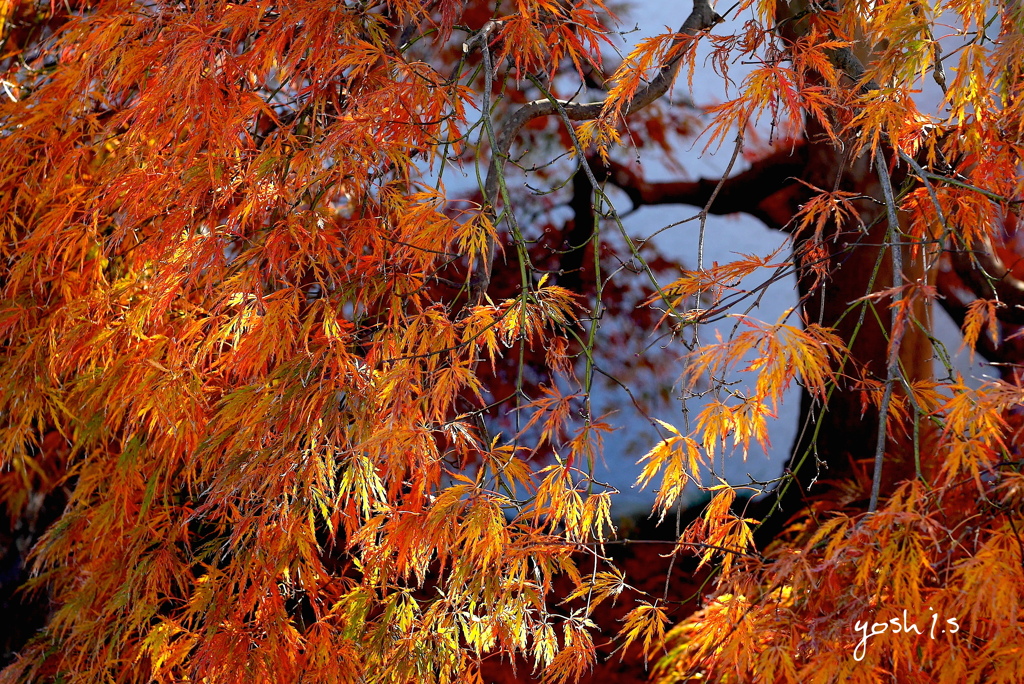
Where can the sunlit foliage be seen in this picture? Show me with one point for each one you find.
(318, 389)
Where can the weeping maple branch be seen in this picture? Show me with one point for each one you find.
(702, 18)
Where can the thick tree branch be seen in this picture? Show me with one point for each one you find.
(988, 277)
(1006, 351)
(745, 192)
(702, 17)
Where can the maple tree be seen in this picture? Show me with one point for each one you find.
(283, 400)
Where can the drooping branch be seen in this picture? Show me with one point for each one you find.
(702, 18)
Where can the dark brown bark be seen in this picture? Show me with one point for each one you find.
(858, 268)
(580, 231)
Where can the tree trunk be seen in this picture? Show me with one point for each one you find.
(838, 439)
